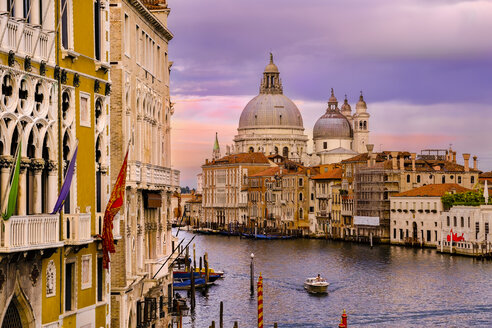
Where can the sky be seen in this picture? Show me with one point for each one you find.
(425, 68)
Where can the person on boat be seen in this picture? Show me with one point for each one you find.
(318, 278)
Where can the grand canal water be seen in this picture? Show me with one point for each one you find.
(386, 286)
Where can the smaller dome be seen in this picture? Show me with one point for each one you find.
(346, 106)
(331, 125)
(271, 67)
(361, 104)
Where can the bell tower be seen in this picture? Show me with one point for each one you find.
(361, 126)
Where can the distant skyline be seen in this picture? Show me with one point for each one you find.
(425, 68)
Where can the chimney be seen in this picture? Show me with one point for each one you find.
(369, 148)
(402, 163)
(454, 157)
(394, 164)
(475, 164)
(413, 155)
(206, 161)
(373, 159)
(466, 158)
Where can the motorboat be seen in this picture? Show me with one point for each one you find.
(187, 275)
(185, 284)
(316, 285)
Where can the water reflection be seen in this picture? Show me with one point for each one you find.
(380, 287)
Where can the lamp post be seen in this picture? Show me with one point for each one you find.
(252, 269)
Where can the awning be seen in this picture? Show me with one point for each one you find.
(152, 200)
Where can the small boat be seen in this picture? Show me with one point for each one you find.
(186, 284)
(316, 285)
(212, 276)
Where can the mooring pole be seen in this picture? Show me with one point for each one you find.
(252, 274)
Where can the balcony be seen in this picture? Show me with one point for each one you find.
(26, 39)
(77, 228)
(152, 175)
(31, 232)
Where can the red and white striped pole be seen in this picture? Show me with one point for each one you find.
(260, 302)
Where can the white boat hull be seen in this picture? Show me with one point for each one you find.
(316, 289)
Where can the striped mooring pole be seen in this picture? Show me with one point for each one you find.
(260, 302)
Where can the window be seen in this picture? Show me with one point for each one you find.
(394, 233)
(27, 10)
(137, 42)
(401, 234)
(462, 222)
(472, 180)
(443, 179)
(312, 196)
(66, 24)
(468, 222)
(300, 196)
(126, 37)
(300, 182)
(435, 235)
(428, 235)
(311, 209)
(477, 229)
(418, 178)
(100, 280)
(325, 145)
(70, 286)
(455, 223)
(97, 29)
(447, 221)
(459, 179)
(85, 110)
(408, 178)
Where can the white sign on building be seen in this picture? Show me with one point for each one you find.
(366, 220)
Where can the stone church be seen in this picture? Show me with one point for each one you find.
(271, 123)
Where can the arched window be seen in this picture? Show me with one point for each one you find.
(459, 179)
(472, 179)
(418, 178)
(300, 196)
(276, 150)
(312, 196)
(251, 149)
(443, 179)
(300, 214)
(365, 125)
(285, 152)
(408, 178)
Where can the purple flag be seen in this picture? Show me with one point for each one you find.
(65, 189)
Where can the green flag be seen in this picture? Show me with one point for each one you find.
(13, 188)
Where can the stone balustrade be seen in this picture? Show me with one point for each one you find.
(30, 232)
(100, 224)
(77, 228)
(152, 175)
(26, 39)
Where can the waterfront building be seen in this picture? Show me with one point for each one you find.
(224, 188)
(141, 114)
(466, 230)
(193, 209)
(339, 135)
(328, 211)
(271, 123)
(388, 173)
(415, 217)
(55, 87)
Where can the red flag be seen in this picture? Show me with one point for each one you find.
(113, 207)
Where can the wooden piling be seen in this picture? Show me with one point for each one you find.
(221, 318)
(274, 325)
(207, 274)
(192, 289)
(200, 267)
(194, 257)
(235, 324)
(213, 324)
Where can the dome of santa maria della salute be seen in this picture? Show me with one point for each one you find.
(270, 110)
(271, 122)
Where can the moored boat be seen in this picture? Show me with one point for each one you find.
(316, 285)
(185, 284)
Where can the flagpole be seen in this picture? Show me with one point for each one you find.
(60, 136)
(11, 174)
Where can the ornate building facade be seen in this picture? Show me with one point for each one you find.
(55, 87)
(141, 113)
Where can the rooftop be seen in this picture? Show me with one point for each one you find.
(433, 190)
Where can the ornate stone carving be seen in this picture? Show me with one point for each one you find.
(6, 161)
(51, 165)
(139, 229)
(25, 163)
(51, 279)
(37, 164)
(34, 274)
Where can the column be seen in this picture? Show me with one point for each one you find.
(5, 165)
(37, 166)
(22, 199)
(52, 184)
(19, 8)
(35, 10)
(3, 6)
